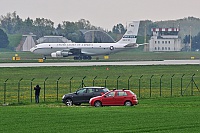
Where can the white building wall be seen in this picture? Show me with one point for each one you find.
(165, 44)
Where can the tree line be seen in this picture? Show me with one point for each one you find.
(11, 23)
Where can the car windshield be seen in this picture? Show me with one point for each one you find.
(105, 90)
(110, 94)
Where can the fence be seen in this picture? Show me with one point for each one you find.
(145, 86)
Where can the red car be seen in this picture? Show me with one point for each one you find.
(115, 98)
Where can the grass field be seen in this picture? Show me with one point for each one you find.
(170, 86)
(156, 114)
(177, 114)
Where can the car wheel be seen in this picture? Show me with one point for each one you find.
(127, 103)
(97, 104)
(68, 102)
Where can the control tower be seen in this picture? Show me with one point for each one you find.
(165, 39)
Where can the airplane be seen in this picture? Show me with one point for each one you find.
(84, 51)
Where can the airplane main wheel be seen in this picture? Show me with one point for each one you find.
(77, 58)
(87, 57)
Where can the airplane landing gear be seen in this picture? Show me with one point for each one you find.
(82, 57)
(87, 57)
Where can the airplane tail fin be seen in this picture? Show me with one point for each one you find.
(130, 36)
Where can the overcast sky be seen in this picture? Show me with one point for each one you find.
(102, 13)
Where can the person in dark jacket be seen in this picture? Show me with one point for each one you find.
(37, 93)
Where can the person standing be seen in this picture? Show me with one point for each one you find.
(37, 93)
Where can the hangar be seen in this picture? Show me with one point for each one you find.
(96, 36)
(27, 42)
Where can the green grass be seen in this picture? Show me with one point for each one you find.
(77, 73)
(170, 86)
(25, 57)
(178, 114)
(138, 55)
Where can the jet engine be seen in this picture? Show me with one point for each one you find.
(60, 54)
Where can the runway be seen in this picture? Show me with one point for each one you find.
(118, 63)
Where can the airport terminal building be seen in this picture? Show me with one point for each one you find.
(165, 39)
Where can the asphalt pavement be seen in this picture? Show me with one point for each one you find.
(118, 63)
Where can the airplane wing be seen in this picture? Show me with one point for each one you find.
(75, 51)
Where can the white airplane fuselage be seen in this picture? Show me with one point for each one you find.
(86, 50)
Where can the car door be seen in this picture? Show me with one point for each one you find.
(120, 97)
(108, 99)
(80, 95)
(89, 94)
(97, 92)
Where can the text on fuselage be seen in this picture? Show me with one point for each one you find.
(75, 44)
